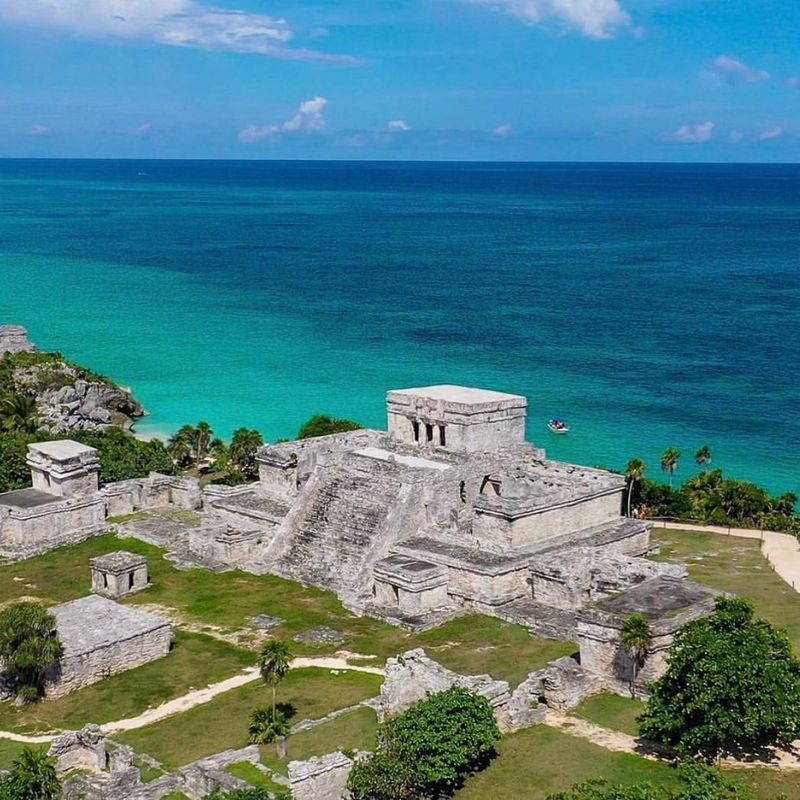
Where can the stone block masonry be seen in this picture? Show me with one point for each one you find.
(101, 638)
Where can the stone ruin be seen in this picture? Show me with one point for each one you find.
(119, 574)
(65, 504)
(449, 510)
(100, 638)
(320, 778)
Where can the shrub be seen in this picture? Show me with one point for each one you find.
(323, 425)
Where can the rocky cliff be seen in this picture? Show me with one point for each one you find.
(68, 397)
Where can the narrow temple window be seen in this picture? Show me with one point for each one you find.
(429, 431)
(130, 580)
(415, 426)
(442, 437)
(462, 492)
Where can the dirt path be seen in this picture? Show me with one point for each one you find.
(197, 697)
(625, 743)
(782, 550)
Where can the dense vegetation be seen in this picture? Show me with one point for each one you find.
(251, 793)
(29, 647)
(709, 497)
(429, 750)
(323, 425)
(696, 783)
(52, 372)
(732, 685)
(122, 455)
(32, 777)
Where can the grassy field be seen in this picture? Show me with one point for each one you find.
(612, 711)
(226, 601)
(540, 761)
(734, 565)
(222, 723)
(194, 662)
(9, 751)
(353, 731)
(254, 776)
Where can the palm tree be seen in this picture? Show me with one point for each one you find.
(29, 647)
(635, 636)
(274, 662)
(33, 776)
(269, 725)
(669, 461)
(181, 445)
(19, 413)
(703, 456)
(203, 436)
(634, 472)
(244, 446)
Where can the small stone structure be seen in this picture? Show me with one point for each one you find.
(320, 778)
(85, 749)
(119, 574)
(14, 339)
(102, 638)
(65, 505)
(412, 585)
(667, 602)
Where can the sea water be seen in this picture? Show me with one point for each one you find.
(648, 305)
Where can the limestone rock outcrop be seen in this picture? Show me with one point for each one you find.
(14, 339)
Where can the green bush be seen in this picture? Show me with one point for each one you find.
(323, 425)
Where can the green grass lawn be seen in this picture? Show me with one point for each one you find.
(9, 751)
(353, 731)
(474, 644)
(539, 761)
(254, 776)
(222, 723)
(734, 565)
(194, 662)
(611, 711)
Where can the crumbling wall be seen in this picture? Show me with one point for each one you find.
(320, 778)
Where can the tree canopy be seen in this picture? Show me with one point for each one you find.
(33, 776)
(429, 750)
(323, 425)
(29, 647)
(732, 685)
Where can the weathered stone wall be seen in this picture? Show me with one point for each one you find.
(320, 778)
(488, 590)
(32, 531)
(154, 491)
(88, 668)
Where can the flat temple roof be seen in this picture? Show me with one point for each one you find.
(459, 394)
(27, 498)
(62, 449)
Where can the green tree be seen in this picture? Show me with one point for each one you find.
(203, 436)
(634, 472)
(33, 776)
(703, 456)
(636, 636)
(269, 725)
(732, 685)
(669, 462)
(244, 446)
(323, 425)
(274, 663)
(250, 793)
(29, 647)
(181, 446)
(429, 750)
(19, 413)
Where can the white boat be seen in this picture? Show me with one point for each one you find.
(558, 426)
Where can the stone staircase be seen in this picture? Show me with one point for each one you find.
(344, 527)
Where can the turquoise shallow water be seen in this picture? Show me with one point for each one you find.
(650, 305)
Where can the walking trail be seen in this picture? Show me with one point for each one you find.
(782, 550)
(195, 698)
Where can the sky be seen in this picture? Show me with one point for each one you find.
(537, 80)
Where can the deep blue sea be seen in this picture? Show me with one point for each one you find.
(648, 305)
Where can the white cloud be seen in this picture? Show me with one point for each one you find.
(736, 136)
(734, 71)
(694, 134)
(598, 19)
(398, 125)
(502, 130)
(772, 133)
(309, 117)
(793, 82)
(144, 129)
(179, 23)
(38, 130)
